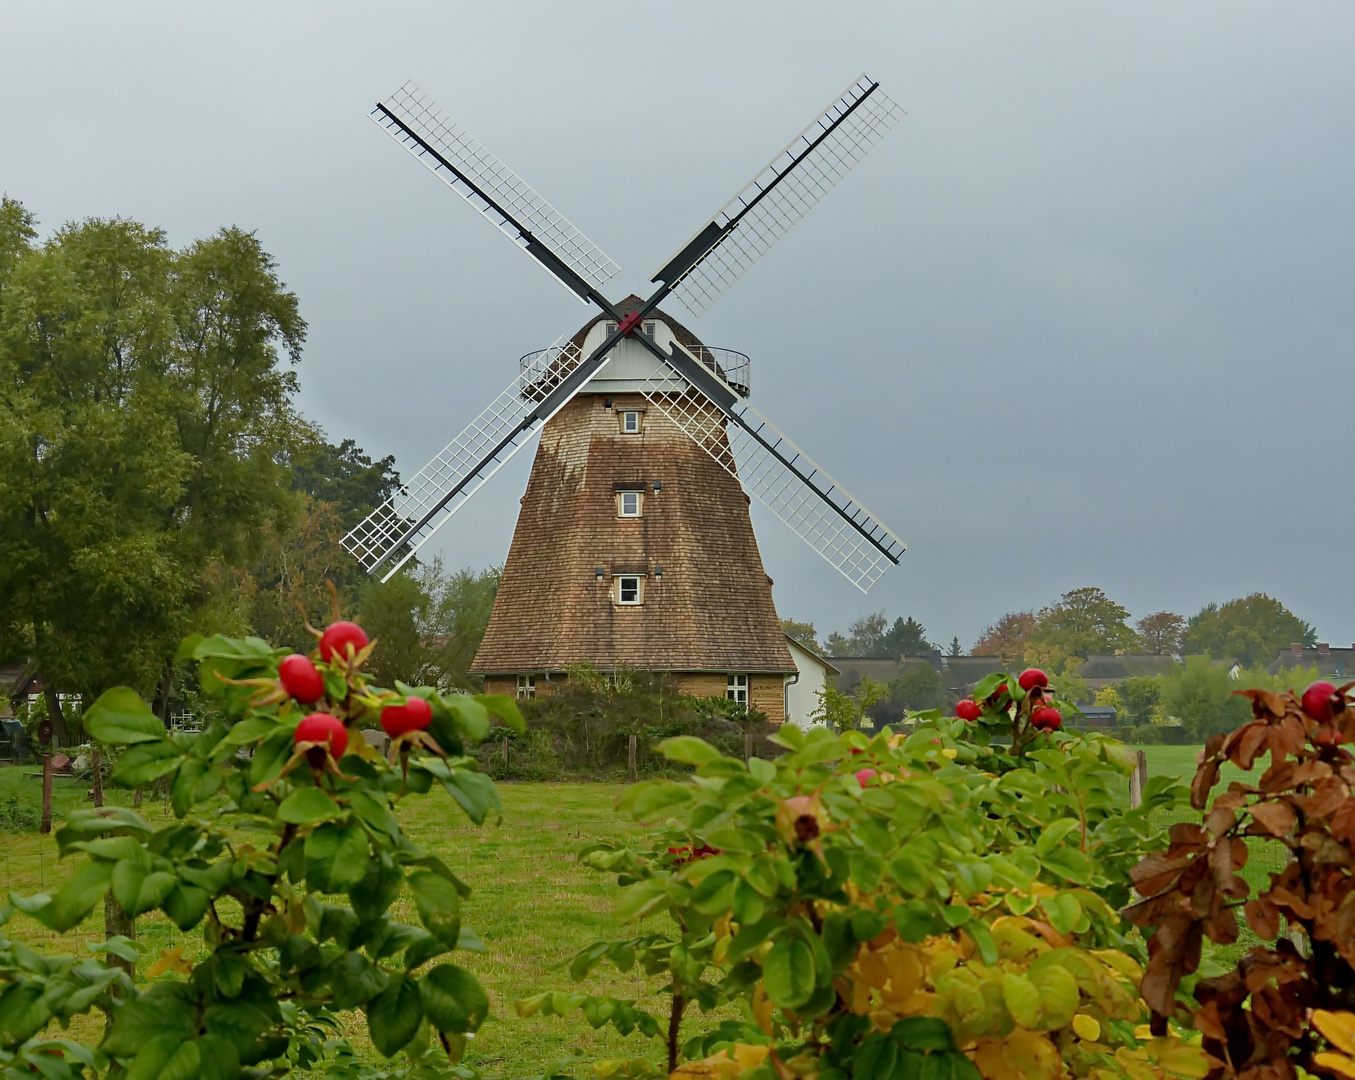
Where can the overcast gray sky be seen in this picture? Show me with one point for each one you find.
(1084, 318)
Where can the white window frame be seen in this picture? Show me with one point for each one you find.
(736, 688)
(638, 587)
(636, 507)
(626, 415)
(526, 686)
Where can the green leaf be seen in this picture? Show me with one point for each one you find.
(248, 731)
(356, 980)
(1022, 999)
(146, 763)
(374, 813)
(77, 897)
(308, 806)
(438, 904)
(394, 1015)
(249, 648)
(505, 710)
(789, 972)
(163, 1058)
(453, 999)
(1052, 835)
(378, 889)
(1063, 911)
(643, 898)
(656, 800)
(922, 1033)
(474, 791)
(186, 905)
(119, 716)
(688, 749)
(876, 1059)
(336, 856)
(137, 890)
(1069, 863)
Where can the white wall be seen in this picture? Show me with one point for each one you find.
(802, 696)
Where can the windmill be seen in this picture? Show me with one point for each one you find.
(633, 370)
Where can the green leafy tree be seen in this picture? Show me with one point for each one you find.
(906, 637)
(458, 611)
(394, 612)
(298, 924)
(1161, 633)
(803, 632)
(955, 649)
(143, 412)
(345, 476)
(1200, 695)
(1140, 694)
(847, 711)
(1084, 621)
(1253, 630)
(917, 688)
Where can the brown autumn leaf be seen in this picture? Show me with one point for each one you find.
(1327, 796)
(1277, 818)
(1264, 703)
(1207, 1022)
(1232, 799)
(1220, 819)
(1279, 777)
(1171, 949)
(1263, 917)
(1312, 770)
(1240, 853)
(1206, 776)
(1157, 871)
(1288, 738)
(1250, 744)
(1286, 900)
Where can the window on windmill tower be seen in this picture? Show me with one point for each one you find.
(629, 504)
(526, 686)
(630, 421)
(628, 589)
(736, 689)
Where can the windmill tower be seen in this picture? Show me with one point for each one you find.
(634, 547)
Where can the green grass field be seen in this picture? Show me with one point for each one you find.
(533, 904)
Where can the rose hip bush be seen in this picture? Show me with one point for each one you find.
(932, 905)
(1287, 1003)
(286, 855)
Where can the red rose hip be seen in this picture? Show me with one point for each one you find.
(865, 776)
(321, 727)
(1047, 718)
(339, 638)
(968, 710)
(300, 679)
(1031, 678)
(414, 715)
(1319, 701)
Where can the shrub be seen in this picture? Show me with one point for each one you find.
(936, 904)
(1257, 1019)
(287, 854)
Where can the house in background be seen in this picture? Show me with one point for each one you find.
(1333, 664)
(802, 689)
(1099, 671)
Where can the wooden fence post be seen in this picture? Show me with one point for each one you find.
(116, 921)
(46, 825)
(505, 751)
(747, 745)
(1137, 780)
(98, 793)
(634, 753)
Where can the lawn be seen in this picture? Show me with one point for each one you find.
(533, 904)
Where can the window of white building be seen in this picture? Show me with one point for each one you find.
(736, 689)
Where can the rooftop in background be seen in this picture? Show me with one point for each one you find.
(1327, 660)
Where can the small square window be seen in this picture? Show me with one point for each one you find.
(526, 686)
(736, 689)
(630, 422)
(629, 503)
(628, 589)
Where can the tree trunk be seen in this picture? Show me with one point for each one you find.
(164, 693)
(54, 713)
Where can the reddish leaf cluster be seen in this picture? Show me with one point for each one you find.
(1255, 1019)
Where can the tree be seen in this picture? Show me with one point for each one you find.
(1140, 694)
(1161, 633)
(394, 613)
(458, 613)
(1006, 638)
(907, 637)
(1200, 695)
(1084, 621)
(916, 688)
(143, 416)
(345, 476)
(803, 632)
(1254, 629)
(865, 635)
(955, 649)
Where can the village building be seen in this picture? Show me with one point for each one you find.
(804, 688)
(1332, 664)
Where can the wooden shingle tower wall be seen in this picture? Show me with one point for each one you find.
(633, 549)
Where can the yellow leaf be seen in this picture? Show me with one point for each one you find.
(1337, 1063)
(1086, 1027)
(762, 1009)
(950, 752)
(1338, 1027)
(170, 960)
(1179, 1057)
